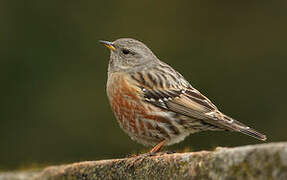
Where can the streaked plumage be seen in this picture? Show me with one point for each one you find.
(153, 103)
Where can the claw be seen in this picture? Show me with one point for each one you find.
(170, 152)
(135, 161)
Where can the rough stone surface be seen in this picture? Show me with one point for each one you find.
(19, 175)
(265, 161)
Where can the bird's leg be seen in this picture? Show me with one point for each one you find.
(152, 152)
(157, 147)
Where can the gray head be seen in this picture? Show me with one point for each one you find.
(128, 54)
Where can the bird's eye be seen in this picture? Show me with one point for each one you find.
(125, 51)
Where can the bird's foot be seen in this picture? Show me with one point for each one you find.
(169, 152)
(137, 159)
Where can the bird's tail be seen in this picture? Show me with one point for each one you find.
(240, 127)
(253, 133)
(231, 124)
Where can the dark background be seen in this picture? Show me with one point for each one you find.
(53, 71)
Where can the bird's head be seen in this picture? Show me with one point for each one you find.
(128, 54)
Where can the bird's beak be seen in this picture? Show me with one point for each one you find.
(108, 44)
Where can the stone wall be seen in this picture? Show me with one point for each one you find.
(264, 161)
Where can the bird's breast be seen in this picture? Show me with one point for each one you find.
(120, 89)
(124, 99)
(131, 111)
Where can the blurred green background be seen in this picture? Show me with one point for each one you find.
(53, 71)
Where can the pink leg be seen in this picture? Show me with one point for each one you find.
(158, 147)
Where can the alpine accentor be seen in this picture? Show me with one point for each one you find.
(154, 104)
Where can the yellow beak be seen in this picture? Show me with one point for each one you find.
(108, 45)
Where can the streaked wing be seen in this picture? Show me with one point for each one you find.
(166, 88)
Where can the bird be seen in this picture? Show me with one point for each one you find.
(154, 104)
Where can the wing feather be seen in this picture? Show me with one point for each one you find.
(177, 95)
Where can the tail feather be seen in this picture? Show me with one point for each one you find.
(253, 133)
(228, 123)
(240, 127)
